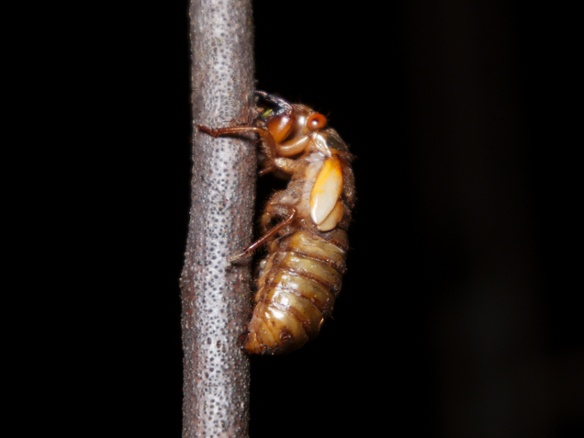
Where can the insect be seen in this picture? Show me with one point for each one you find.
(304, 226)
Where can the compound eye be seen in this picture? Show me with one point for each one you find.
(316, 121)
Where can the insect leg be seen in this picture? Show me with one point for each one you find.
(263, 239)
(267, 143)
(279, 165)
(231, 130)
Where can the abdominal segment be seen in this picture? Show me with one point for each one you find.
(297, 287)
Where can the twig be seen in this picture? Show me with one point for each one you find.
(215, 295)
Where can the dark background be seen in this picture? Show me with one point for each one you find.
(460, 314)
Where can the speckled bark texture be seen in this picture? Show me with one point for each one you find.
(215, 296)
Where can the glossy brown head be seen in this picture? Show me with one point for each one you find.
(290, 125)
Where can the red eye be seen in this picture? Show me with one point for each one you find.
(316, 121)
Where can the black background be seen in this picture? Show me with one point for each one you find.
(460, 313)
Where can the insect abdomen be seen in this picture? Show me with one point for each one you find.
(297, 289)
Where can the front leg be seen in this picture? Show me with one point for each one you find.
(266, 139)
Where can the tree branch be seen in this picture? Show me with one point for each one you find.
(215, 296)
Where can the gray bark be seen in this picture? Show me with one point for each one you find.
(215, 295)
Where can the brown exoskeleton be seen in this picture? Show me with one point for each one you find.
(304, 226)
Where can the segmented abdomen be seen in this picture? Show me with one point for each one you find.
(297, 287)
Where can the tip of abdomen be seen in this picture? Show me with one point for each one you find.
(268, 335)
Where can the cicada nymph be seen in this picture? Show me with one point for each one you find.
(303, 226)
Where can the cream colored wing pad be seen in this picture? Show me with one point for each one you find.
(326, 209)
